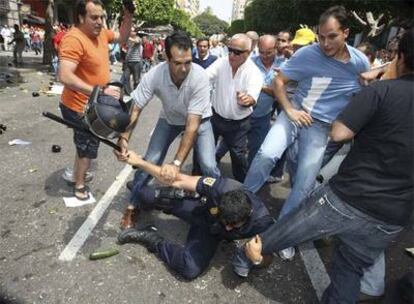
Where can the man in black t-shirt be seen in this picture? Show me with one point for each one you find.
(369, 201)
(222, 209)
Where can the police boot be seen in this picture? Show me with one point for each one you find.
(147, 236)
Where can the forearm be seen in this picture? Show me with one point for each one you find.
(281, 96)
(183, 181)
(187, 142)
(268, 90)
(133, 122)
(75, 83)
(125, 28)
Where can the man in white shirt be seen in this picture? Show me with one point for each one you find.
(237, 82)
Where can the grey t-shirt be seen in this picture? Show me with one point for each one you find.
(193, 96)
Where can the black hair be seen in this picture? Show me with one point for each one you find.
(203, 39)
(288, 32)
(339, 13)
(235, 207)
(368, 49)
(80, 8)
(180, 39)
(405, 47)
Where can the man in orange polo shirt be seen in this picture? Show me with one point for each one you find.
(84, 63)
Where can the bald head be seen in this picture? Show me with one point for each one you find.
(242, 41)
(267, 41)
(267, 50)
(254, 37)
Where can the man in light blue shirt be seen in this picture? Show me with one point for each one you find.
(260, 119)
(327, 74)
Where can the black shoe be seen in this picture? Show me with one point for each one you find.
(147, 237)
(130, 185)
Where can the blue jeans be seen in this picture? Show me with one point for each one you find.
(259, 127)
(164, 134)
(311, 144)
(363, 239)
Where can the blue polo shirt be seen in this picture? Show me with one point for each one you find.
(265, 101)
(325, 84)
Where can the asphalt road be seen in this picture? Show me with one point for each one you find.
(36, 226)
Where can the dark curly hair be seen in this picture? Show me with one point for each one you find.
(235, 207)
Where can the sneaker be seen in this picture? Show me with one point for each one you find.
(68, 176)
(274, 179)
(287, 254)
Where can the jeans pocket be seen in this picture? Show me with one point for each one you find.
(390, 229)
(334, 208)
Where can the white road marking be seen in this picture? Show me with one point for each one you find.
(69, 253)
(315, 268)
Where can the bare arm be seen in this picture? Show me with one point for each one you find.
(68, 77)
(190, 133)
(298, 117)
(125, 29)
(124, 137)
(341, 132)
(182, 181)
(169, 172)
(268, 91)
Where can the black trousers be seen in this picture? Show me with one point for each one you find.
(194, 257)
(234, 134)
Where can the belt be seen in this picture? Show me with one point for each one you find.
(226, 119)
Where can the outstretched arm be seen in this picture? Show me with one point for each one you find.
(182, 181)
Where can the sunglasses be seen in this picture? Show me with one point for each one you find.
(236, 52)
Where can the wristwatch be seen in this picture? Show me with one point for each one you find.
(177, 163)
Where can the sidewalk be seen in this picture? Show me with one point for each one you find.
(11, 75)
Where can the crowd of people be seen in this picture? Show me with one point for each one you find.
(222, 98)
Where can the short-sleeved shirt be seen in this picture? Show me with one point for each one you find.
(91, 57)
(148, 50)
(325, 84)
(247, 79)
(377, 175)
(193, 96)
(265, 101)
(213, 189)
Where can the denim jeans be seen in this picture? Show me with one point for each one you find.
(363, 239)
(311, 144)
(259, 128)
(164, 134)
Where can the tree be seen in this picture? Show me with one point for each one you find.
(271, 16)
(237, 26)
(182, 21)
(48, 45)
(210, 24)
(155, 12)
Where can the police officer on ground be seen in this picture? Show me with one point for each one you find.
(223, 210)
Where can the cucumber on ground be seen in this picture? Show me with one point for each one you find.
(103, 254)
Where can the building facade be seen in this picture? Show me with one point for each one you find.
(9, 12)
(192, 7)
(238, 9)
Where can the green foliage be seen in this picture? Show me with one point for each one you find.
(182, 21)
(271, 16)
(237, 26)
(210, 24)
(155, 12)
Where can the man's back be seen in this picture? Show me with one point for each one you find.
(377, 175)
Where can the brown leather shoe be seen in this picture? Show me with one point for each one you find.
(129, 218)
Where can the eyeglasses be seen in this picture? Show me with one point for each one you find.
(236, 52)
